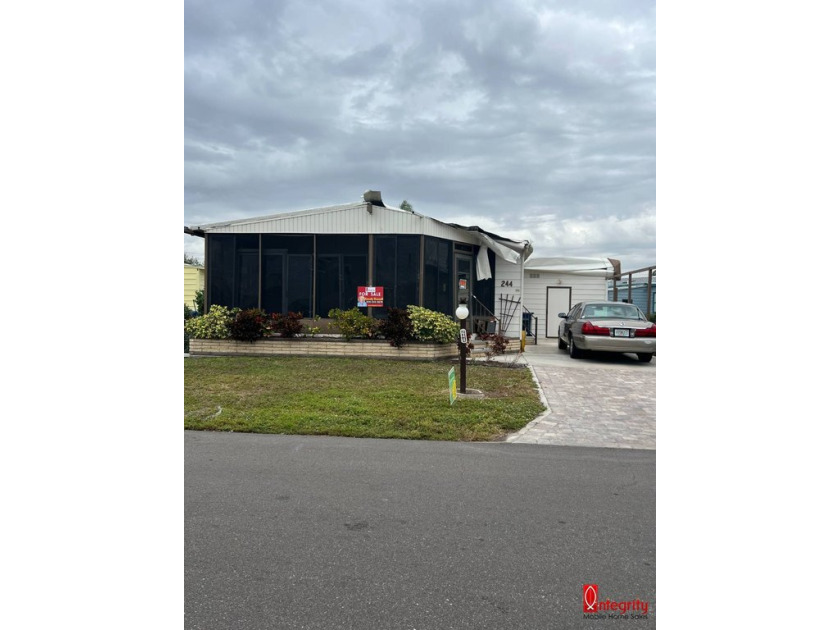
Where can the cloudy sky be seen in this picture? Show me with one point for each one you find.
(533, 119)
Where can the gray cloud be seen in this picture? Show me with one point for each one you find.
(536, 118)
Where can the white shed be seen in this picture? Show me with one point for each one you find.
(554, 285)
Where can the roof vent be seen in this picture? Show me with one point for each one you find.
(373, 197)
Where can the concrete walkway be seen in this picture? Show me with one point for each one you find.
(601, 401)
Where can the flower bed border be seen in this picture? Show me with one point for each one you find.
(324, 347)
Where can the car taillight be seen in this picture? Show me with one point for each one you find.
(589, 328)
(646, 332)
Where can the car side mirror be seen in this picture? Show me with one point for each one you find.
(561, 315)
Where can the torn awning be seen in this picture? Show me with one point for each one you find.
(599, 267)
(509, 250)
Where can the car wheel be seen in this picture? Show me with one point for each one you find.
(644, 357)
(574, 353)
(561, 343)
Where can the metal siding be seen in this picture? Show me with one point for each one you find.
(639, 295)
(512, 272)
(585, 287)
(193, 281)
(535, 295)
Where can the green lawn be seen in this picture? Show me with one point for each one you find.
(353, 397)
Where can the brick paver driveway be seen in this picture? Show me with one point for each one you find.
(603, 401)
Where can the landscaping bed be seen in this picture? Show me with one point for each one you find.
(413, 333)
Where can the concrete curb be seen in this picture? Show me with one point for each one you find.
(514, 437)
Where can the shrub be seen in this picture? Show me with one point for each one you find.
(188, 313)
(497, 344)
(352, 323)
(199, 301)
(249, 325)
(432, 326)
(214, 325)
(287, 325)
(651, 317)
(396, 327)
(314, 330)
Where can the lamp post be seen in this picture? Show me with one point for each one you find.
(462, 312)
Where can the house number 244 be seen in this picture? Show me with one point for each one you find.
(507, 283)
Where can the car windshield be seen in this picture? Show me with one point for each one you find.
(612, 311)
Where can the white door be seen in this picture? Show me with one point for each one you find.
(557, 300)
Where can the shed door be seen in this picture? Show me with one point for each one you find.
(557, 300)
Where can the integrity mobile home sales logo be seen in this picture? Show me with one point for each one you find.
(590, 598)
(596, 608)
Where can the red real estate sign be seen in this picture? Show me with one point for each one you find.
(370, 296)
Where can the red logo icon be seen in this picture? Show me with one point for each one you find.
(590, 598)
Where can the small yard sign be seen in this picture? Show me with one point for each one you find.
(370, 296)
(453, 390)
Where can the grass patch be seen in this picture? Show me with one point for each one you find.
(353, 397)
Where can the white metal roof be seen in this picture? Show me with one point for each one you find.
(367, 218)
(221, 227)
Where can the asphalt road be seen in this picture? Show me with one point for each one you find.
(321, 532)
